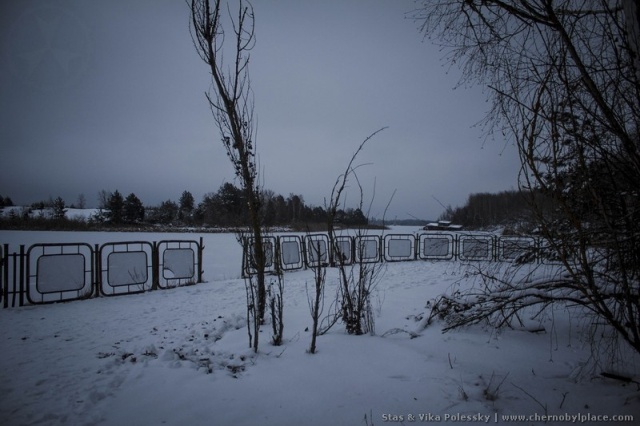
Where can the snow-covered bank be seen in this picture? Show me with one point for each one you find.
(181, 357)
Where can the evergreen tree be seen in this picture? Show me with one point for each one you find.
(166, 213)
(115, 205)
(186, 202)
(58, 208)
(133, 210)
(186, 207)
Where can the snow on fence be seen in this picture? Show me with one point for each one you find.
(48, 273)
(297, 252)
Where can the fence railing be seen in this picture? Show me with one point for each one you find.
(49, 273)
(298, 252)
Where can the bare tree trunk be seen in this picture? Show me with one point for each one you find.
(320, 274)
(231, 103)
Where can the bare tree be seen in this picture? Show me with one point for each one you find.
(565, 87)
(357, 282)
(275, 294)
(316, 302)
(103, 199)
(232, 105)
(323, 320)
(352, 301)
(82, 201)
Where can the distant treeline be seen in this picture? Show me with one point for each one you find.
(225, 208)
(507, 208)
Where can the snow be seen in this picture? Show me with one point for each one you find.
(81, 214)
(48, 212)
(11, 210)
(181, 356)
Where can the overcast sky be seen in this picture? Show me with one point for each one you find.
(106, 95)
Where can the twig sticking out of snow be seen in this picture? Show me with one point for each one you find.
(544, 406)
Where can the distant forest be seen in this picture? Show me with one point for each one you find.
(225, 208)
(510, 209)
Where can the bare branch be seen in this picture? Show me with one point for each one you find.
(565, 88)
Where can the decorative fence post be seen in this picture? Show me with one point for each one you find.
(96, 270)
(155, 266)
(4, 259)
(21, 278)
(200, 252)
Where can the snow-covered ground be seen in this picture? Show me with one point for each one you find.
(181, 357)
(48, 212)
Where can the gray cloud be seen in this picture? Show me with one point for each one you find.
(110, 95)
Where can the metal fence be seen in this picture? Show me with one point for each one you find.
(298, 252)
(49, 273)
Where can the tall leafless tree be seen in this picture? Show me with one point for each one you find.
(564, 79)
(232, 105)
(357, 282)
(352, 302)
